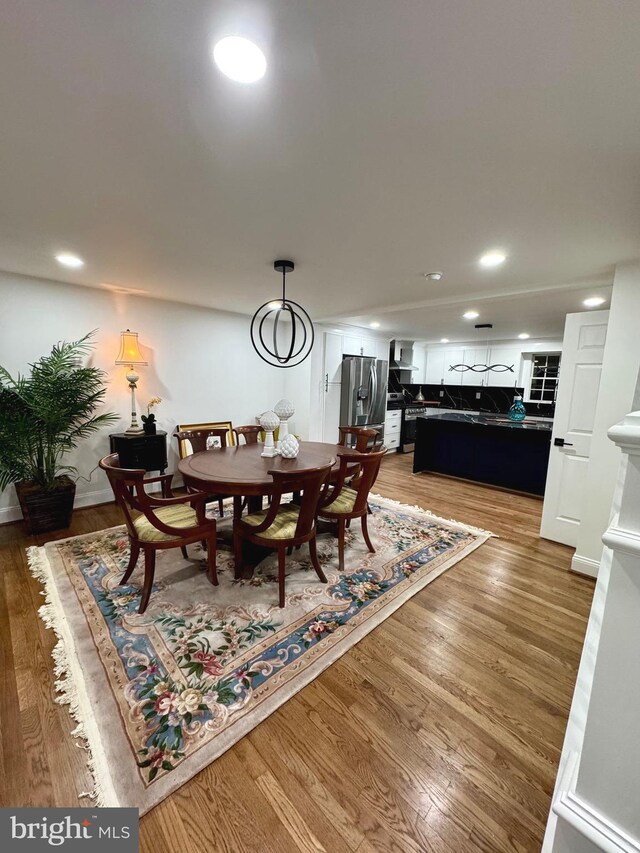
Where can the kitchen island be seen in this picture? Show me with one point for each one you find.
(485, 448)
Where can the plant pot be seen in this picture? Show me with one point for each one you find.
(149, 428)
(46, 509)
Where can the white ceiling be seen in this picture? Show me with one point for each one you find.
(387, 139)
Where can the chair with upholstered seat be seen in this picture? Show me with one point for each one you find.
(345, 501)
(250, 432)
(365, 437)
(155, 523)
(203, 439)
(282, 526)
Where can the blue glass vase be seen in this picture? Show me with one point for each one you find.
(517, 412)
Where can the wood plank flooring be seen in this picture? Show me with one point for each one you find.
(440, 731)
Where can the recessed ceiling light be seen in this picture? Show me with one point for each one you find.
(470, 315)
(444, 340)
(433, 276)
(493, 259)
(524, 335)
(68, 260)
(275, 305)
(375, 325)
(240, 59)
(594, 301)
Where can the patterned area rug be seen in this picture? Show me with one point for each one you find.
(157, 697)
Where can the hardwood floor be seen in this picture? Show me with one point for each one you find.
(440, 731)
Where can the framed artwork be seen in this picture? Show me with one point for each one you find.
(213, 441)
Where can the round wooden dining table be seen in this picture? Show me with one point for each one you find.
(240, 470)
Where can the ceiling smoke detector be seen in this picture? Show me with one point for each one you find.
(433, 276)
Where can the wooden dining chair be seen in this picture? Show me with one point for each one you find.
(199, 440)
(155, 523)
(365, 437)
(343, 501)
(250, 433)
(281, 526)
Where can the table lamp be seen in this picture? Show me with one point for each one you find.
(130, 355)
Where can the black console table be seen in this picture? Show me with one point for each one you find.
(141, 451)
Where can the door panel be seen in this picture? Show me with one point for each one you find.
(578, 386)
(332, 356)
(573, 477)
(434, 367)
(511, 356)
(331, 415)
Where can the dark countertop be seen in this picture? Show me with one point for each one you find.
(489, 420)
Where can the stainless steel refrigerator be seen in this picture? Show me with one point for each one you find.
(363, 399)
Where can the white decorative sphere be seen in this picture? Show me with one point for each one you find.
(289, 447)
(284, 409)
(269, 421)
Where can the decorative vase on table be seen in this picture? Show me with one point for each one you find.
(289, 447)
(269, 422)
(284, 410)
(517, 412)
(149, 424)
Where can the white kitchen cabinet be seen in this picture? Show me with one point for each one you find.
(351, 345)
(471, 356)
(510, 356)
(392, 429)
(434, 367)
(332, 357)
(452, 355)
(360, 345)
(331, 412)
(368, 347)
(392, 442)
(381, 350)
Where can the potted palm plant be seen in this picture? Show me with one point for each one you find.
(42, 417)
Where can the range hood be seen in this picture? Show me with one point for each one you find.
(402, 356)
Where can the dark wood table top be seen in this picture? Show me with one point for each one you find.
(241, 470)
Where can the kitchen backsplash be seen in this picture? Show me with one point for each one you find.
(464, 397)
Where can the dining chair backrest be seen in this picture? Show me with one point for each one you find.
(365, 437)
(128, 488)
(310, 482)
(200, 439)
(369, 466)
(250, 433)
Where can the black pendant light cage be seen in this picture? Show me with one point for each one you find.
(301, 332)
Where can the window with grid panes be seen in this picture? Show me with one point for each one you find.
(544, 377)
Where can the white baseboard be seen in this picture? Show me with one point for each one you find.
(603, 833)
(585, 566)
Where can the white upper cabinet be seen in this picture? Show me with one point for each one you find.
(382, 350)
(440, 359)
(475, 356)
(368, 347)
(452, 356)
(337, 345)
(434, 367)
(351, 345)
(510, 356)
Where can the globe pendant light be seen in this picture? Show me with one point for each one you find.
(287, 338)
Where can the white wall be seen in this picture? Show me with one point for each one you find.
(620, 367)
(201, 363)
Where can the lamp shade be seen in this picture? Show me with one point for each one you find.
(129, 349)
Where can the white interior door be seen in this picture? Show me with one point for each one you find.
(580, 369)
